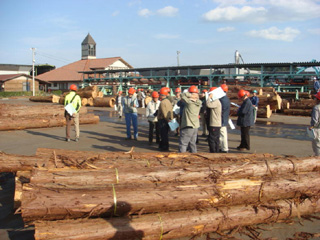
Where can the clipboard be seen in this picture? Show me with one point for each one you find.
(173, 124)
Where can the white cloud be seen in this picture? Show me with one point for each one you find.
(315, 31)
(145, 12)
(168, 11)
(273, 33)
(231, 13)
(166, 36)
(135, 2)
(226, 29)
(115, 13)
(269, 10)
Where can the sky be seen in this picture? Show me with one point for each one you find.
(148, 33)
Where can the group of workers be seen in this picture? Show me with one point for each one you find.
(188, 109)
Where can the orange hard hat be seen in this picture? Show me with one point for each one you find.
(120, 92)
(155, 94)
(248, 93)
(164, 91)
(73, 87)
(224, 87)
(131, 91)
(204, 90)
(317, 95)
(242, 93)
(193, 89)
(178, 90)
(212, 88)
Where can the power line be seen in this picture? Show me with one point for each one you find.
(53, 57)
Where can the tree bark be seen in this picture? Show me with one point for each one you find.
(104, 102)
(52, 203)
(174, 224)
(41, 98)
(87, 94)
(298, 112)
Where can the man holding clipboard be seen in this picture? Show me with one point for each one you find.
(72, 103)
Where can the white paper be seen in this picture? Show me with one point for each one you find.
(231, 124)
(173, 124)
(310, 133)
(234, 104)
(115, 107)
(176, 109)
(217, 94)
(70, 109)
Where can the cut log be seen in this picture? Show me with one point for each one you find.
(100, 94)
(41, 99)
(90, 101)
(174, 224)
(37, 202)
(302, 105)
(55, 99)
(84, 101)
(87, 94)
(292, 95)
(44, 122)
(298, 112)
(104, 102)
(264, 112)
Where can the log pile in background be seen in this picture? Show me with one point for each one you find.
(53, 98)
(17, 117)
(90, 195)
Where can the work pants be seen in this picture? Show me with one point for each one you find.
(316, 142)
(188, 137)
(132, 117)
(120, 110)
(164, 134)
(153, 126)
(213, 140)
(76, 125)
(245, 138)
(224, 139)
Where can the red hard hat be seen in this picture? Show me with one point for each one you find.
(120, 92)
(248, 93)
(317, 95)
(131, 91)
(164, 91)
(212, 88)
(224, 87)
(193, 89)
(204, 90)
(73, 87)
(178, 90)
(155, 94)
(242, 93)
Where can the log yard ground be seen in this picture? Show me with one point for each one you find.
(278, 135)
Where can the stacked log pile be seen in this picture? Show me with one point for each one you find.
(90, 96)
(17, 117)
(90, 195)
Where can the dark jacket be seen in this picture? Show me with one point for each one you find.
(245, 114)
(225, 104)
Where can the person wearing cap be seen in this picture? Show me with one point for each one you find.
(214, 122)
(130, 104)
(255, 101)
(72, 98)
(151, 109)
(119, 103)
(190, 120)
(315, 125)
(225, 112)
(245, 119)
(165, 115)
(203, 113)
(316, 85)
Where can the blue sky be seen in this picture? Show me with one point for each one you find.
(148, 33)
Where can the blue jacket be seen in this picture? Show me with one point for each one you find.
(254, 100)
(225, 110)
(245, 114)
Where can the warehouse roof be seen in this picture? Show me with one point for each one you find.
(8, 77)
(70, 72)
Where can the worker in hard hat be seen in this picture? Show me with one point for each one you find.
(175, 99)
(315, 125)
(119, 104)
(151, 109)
(165, 115)
(245, 119)
(214, 122)
(255, 101)
(203, 113)
(190, 120)
(130, 104)
(72, 103)
(225, 112)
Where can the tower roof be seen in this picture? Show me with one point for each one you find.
(88, 40)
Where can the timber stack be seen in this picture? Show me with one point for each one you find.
(17, 117)
(113, 195)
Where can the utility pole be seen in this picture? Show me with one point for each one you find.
(33, 61)
(178, 62)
